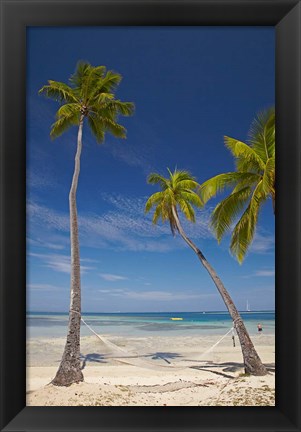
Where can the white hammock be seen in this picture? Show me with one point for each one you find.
(134, 359)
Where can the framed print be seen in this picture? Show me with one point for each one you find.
(160, 269)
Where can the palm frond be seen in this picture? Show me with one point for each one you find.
(114, 108)
(247, 179)
(99, 84)
(210, 188)
(83, 74)
(111, 126)
(187, 184)
(268, 179)
(262, 134)
(157, 214)
(109, 82)
(96, 129)
(189, 196)
(81, 71)
(68, 110)
(180, 176)
(63, 124)
(153, 200)
(187, 210)
(227, 210)
(242, 235)
(155, 178)
(102, 99)
(244, 230)
(91, 82)
(59, 91)
(246, 157)
(123, 108)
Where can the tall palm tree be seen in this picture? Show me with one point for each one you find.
(178, 193)
(90, 96)
(252, 184)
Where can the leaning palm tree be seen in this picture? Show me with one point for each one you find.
(178, 193)
(252, 184)
(90, 97)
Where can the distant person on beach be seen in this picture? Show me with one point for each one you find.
(259, 327)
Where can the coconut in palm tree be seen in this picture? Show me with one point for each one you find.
(252, 184)
(178, 193)
(89, 98)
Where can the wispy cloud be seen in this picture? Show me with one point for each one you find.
(40, 181)
(59, 263)
(161, 295)
(111, 291)
(124, 227)
(43, 287)
(47, 217)
(140, 149)
(265, 273)
(112, 277)
(262, 243)
(43, 244)
(261, 273)
(154, 295)
(131, 154)
(129, 214)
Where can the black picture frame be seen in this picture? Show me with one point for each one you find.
(16, 15)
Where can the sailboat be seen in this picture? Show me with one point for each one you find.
(248, 307)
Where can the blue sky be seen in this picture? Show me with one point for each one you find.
(191, 86)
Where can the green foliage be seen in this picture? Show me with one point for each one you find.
(246, 159)
(244, 230)
(227, 210)
(252, 184)
(90, 95)
(67, 115)
(59, 91)
(177, 191)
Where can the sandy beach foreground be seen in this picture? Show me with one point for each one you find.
(171, 371)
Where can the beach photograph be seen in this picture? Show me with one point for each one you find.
(150, 185)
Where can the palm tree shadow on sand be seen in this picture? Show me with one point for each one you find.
(228, 367)
(91, 358)
(166, 356)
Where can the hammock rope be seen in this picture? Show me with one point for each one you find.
(134, 359)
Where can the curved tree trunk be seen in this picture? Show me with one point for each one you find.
(252, 362)
(69, 371)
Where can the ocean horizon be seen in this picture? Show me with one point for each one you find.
(144, 324)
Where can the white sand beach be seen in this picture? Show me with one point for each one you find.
(155, 370)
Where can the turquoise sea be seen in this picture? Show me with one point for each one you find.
(46, 324)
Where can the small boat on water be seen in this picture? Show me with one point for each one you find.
(176, 319)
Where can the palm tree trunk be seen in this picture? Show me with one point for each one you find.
(252, 362)
(69, 371)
